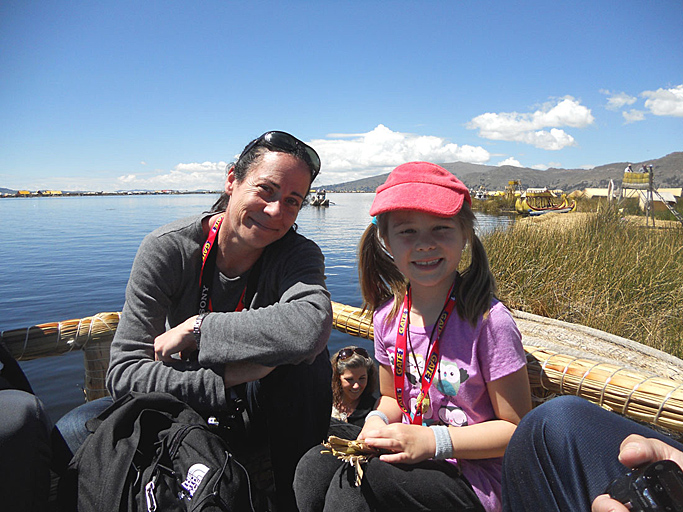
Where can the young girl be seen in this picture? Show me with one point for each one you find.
(452, 373)
(354, 380)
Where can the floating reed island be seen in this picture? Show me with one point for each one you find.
(598, 270)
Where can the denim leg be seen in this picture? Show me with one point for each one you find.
(24, 452)
(564, 454)
(72, 427)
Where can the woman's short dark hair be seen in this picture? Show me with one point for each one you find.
(253, 156)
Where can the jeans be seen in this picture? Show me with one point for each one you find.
(289, 410)
(24, 452)
(564, 454)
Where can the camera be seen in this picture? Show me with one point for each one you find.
(655, 487)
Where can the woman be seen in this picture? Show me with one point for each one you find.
(231, 305)
(354, 380)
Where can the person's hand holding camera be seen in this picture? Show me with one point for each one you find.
(636, 451)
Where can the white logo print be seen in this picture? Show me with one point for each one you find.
(195, 475)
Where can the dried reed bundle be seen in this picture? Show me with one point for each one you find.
(92, 334)
(352, 320)
(635, 394)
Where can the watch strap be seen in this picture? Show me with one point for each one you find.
(197, 329)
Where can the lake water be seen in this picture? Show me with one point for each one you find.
(70, 257)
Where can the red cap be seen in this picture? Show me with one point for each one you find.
(423, 187)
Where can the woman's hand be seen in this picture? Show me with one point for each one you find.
(637, 451)
(178, 339)
(410, 444)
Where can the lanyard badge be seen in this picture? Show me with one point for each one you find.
(208, 267)
(432, 363)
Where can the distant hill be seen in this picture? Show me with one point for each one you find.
(668, 173)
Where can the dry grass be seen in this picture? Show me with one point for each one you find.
(598, 270)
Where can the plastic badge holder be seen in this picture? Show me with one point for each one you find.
(656, 487)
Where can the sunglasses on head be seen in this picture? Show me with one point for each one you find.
(345, 353)
(286, 142)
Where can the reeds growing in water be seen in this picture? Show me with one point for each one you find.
(596, 270)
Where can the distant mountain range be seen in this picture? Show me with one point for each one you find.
(668, 173)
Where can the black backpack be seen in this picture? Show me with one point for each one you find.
(153, 452)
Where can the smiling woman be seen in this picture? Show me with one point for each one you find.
(354, 381)
(249, 315)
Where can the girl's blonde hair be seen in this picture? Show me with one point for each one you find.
(381, 280)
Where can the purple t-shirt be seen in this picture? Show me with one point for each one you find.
(470, 357)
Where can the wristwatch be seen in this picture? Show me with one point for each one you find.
(197, 330)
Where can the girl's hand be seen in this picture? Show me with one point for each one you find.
(637, 451)
(410, 444)
(372, 424)
(175, 340)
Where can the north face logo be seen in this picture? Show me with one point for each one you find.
(194, 478)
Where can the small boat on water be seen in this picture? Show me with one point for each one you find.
(537, 201)
(319, 198)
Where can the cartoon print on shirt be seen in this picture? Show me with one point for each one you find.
(453, 415)
(413, 372)
(449, 378)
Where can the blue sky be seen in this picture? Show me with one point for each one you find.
(146, 94)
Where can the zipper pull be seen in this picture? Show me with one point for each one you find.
(149, 495)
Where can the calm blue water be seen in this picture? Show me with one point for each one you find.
(70, 257)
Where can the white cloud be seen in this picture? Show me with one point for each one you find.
(529, 127)
(345, 157)
(510, 161)
(633, 115)
(348, 157)
(618, 100)
(191, 176)
(540, 167)
(665, 102)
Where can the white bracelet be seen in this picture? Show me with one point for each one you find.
(444, 444)
(379, 414)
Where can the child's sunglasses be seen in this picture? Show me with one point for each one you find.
(345, 353)
(283, 140)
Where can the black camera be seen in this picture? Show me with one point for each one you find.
(656, 487)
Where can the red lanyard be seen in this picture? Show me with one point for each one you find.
(206, 280)
(401, 355)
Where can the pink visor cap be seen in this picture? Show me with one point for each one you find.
(423, 187)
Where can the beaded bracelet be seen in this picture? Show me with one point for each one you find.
(444, 444)
(379, 414)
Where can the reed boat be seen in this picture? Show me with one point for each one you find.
(562, 359)
(618, 374)
(319, 199)
(537, 201)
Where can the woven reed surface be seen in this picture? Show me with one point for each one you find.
(92, 335)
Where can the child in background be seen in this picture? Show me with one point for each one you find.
(452, 373)
(354, 381)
